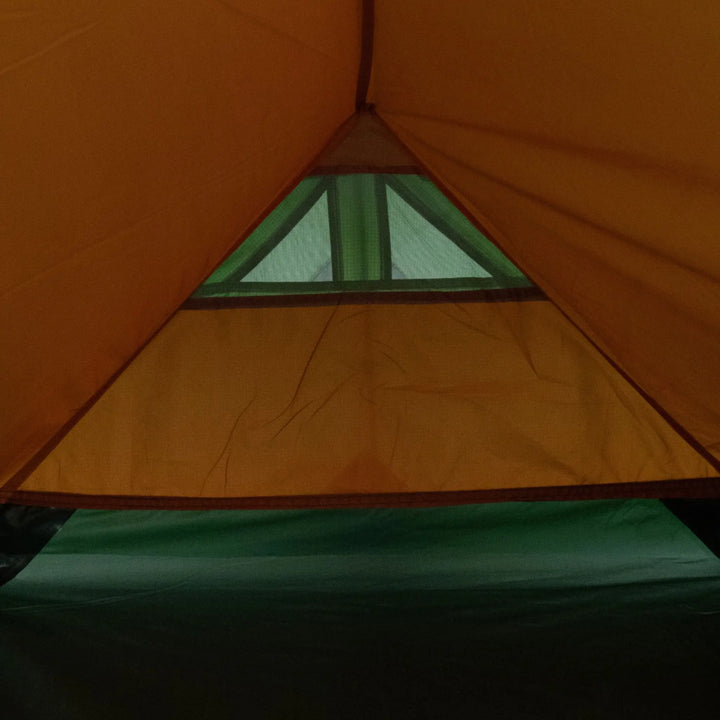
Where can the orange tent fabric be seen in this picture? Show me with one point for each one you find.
(139, 143)
(270, 403)
(584, 137)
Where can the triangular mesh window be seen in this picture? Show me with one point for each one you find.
(364, 232)
(420, 251)
(303, 255)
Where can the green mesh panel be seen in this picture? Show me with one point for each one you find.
(363, 232)
(420, 250)
(304, 253)
(422, 194)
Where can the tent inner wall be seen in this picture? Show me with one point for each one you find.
(365, 398)
(139, 141)
(584, 138)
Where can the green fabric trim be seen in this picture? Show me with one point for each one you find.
(383, 225)
(441, 285)
(336, 247)
(359, 227)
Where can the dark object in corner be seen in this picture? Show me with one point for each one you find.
(702, 517)
(24, 531)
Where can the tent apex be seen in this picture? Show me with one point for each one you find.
(365, 145)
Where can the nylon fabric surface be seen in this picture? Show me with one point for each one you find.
(564, 610)
(139, 141)
(583, 137)
(283, 401)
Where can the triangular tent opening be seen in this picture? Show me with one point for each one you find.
(363, 231)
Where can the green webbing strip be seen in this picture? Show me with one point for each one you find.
(267, 235)
(426, 199)
(233, 289)
(383, 220)
(359, 228)
(336, 249)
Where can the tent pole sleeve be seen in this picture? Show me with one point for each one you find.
(366, 54)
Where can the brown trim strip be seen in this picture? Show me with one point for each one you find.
(21, 475)
(408, 297)
(366, 170)
(690, 488)
(366, 54)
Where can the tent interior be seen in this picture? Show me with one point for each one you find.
(359, 358)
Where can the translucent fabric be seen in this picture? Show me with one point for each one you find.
(346, 400)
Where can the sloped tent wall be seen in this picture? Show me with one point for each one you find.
(584, 137)
(138, 142)
(356, 399)
(570, 150)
